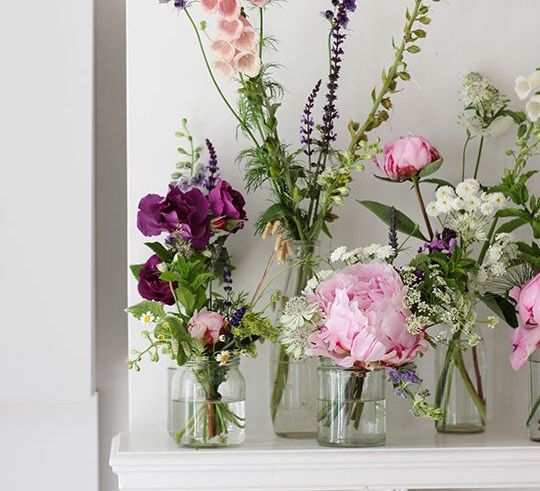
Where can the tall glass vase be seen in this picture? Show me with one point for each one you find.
(461, 386)
(533, 421)
(294, 382)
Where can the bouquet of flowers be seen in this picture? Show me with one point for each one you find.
(309, 180)
(359, 318)
(190, 305)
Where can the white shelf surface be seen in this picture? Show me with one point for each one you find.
(419, 460)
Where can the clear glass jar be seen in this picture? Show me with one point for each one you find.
(461, 386)
(351, 409)
(171, 370)
(293, 401)
(533, 422)
(208, 404)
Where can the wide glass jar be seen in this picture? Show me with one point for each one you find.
(208, 402)
(533, 421)
(461, 386)
(351, 409)
(294, 382)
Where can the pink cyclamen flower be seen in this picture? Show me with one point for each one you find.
(210, 6)
(247, 63)
(366, 320)
(406, 157)
(229, 9)
(206, 325)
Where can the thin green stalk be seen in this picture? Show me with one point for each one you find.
(261, 32)
(214, 81)
(487, 243)
(460, 364)
(416, 183)
(464, 157)
(478, 158)
(534, 408)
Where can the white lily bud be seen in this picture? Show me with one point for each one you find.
(525, 86)
(533, 108)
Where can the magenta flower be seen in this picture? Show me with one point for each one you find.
(406, 157)
(187, 212)
(227, 206)
(150, 286)
(366, 320)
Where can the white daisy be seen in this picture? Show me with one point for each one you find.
(223, 357)
(467, 188)
(433, 209)
(147, 318)
(445, 192)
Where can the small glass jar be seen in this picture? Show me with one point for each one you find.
(533, 422)
(208, 401)
(293, 401)
(461, 386)
(351, 408)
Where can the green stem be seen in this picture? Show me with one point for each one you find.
(480, 148)
(487, 243)
(214, 81)
(261, 32)
(416, 183)
(464, 157)
(534, 408)
(478, 402)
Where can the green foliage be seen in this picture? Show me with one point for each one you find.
(136, 270)
(155, 308)
(403, 223)
(501, 307)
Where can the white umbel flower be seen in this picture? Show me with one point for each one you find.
(337, 254)
(525, 86)
(318, 278)
(533, 108)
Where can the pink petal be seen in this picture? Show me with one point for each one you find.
(259, 3)
(248, 40)
(224, 68)
(223, 50)
(229, 9)
(248, 64)
(210, 6)
(230, 30)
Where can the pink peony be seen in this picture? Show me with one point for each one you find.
(206, 325)
(406, 157)
(366, 321)
(526, 339)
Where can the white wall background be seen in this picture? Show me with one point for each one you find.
(48, 409)
(167, 81)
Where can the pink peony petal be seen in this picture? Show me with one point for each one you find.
(248, 64)
(229, 9)
(224, 68)
(223, 50)
(210, 6)
(230, 30)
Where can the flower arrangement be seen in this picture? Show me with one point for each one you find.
(357, 316)
(190, 270)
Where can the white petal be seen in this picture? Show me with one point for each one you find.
(533, 108)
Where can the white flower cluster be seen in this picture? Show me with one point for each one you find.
(299, 320)
(497, 262)
(362, 254)
(529, 87)
(466, 208)
(319, 277)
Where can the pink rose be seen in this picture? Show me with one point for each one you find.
(406, 157)
(206, 325)
(366, 320)
(528, 301)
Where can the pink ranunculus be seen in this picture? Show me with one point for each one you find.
(206, 325)
(259, 3)
(210, 6)
(248, 64)
(229, 9)
(525, 341)
(406, 157)
(223, 50)
(528, 302)
(230, 30)
(366, 320)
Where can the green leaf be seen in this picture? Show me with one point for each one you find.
(170, 276)
(201, 280)
(530, 254)
(502, 307)
(136, 270)
(387, 179)
(273, 213)
(163, 253)
(512, 212)
(404, 223)
(187, 299)
(431, 168)
(511, 225)
(155, 308)
(438, 182)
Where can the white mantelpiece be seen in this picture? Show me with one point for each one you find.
(423, 460)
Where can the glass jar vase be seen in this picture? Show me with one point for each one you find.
(293, 383)
(533, 421)
(461, 385)
(351, 409)
(208, 402)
